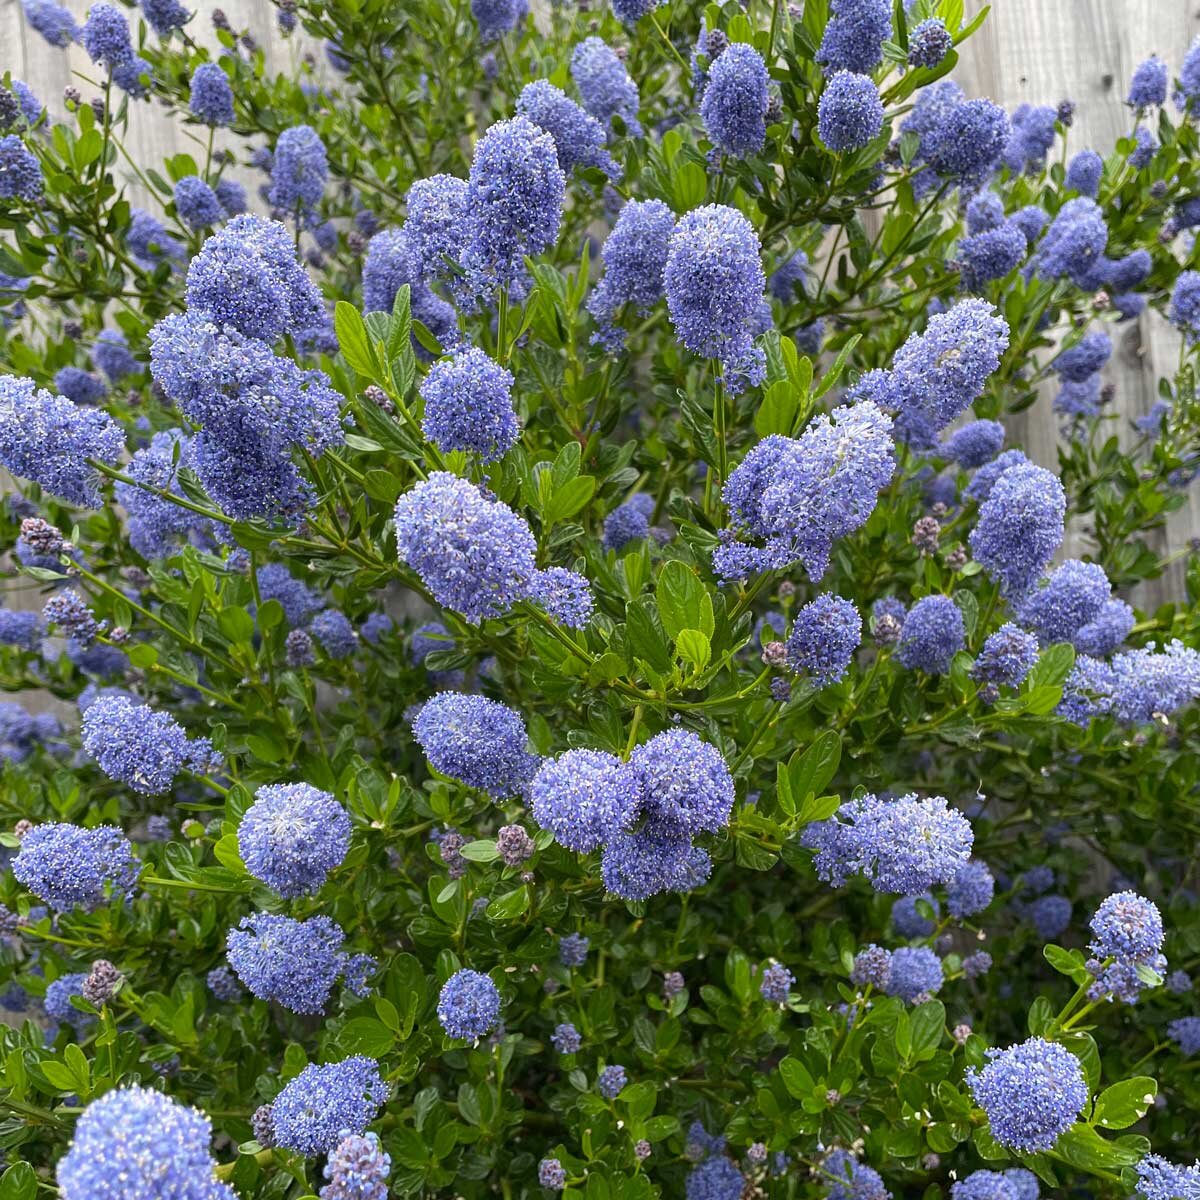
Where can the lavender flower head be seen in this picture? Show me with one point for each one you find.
(566, 596)
(714, 283)
(1126, 929)
(914, 974)
(495, 18)
(909, 920)
(1073, 243)
(1020, 526)
(939, 373)
(1070, 597)
(970, 891)
(357, 1169)
(931, 635)
(474, 554)
(1084, 172)
(139, 1144)
(294, 963)
(49, 440)
(165, 16)
(735, 101)
(776, 984)
(247, 276)
(292, 836)
(1159, 1179)
(105, 36)
(323, 1104)
(636, 866)
(1148, 84)
(852, 1180)
(824, 637)
(990, 255)
(871, 967)
(111, 355)
(196, 203)
(475, 740)
(468, 405)
(437, 213)
(585, 798)
(52, 21)
(612, 1079)
(1007, 656)
(630, 12)
(850, 112)
(1032, 1093)
(635, 259)
(929, 43)
(975, 443)
(135, 745)
(211, 95)
(515, 194)
(469, 1005)
(902, 846)
(20, 172)
(299, 170)
(604, 84)
(1184, 311)
(68, 866)
(854, 35)
(685, 784)
(578, 137)
(801, 494)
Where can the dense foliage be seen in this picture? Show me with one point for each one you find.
(576, 689)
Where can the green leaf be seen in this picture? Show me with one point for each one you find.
(1083, 1147)
(693, 647)
(1066, 962)
(1052, 667)
(689, 185)
(510, 905)
(567, 500)
(236, 624)
(1121, 1105)
(482, 851)
(777, 413)
(18, 1183)
(366, 1035)
(750, 854)
(811, 772)
(796, 1079)
(683, 602)
(354, 341)
(830, 378)
(647, 639)
(928, 1023)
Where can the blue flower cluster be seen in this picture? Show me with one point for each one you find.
(294, 963)
(477, 741)
(469, 1005)
(1127, 941)
(138, 746)
(318, 1109)
(292, 836)
(50, 440)
(714, 283)
(901, 845)
(1032, 1093)
(134, 1143)
(68, 866)
(800, 495)
(643, 812)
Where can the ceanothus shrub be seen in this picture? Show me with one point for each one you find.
(565, 676)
